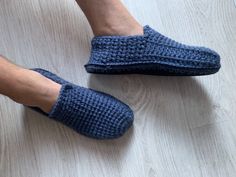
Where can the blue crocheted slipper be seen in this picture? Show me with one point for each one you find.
(151, 53)
(91, 113)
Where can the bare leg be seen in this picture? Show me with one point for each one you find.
(27, 87)
(109, 17)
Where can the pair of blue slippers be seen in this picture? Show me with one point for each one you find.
(101, 116)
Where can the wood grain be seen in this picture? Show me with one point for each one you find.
(184, 127)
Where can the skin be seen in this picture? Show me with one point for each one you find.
(106, 17)
(109, 17)
(27, 87)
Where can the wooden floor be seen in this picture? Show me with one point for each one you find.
(184, 126)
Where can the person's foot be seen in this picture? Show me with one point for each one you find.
(27, 87)
(89, 112)
(150, 53)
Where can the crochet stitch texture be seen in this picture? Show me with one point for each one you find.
(151, 53)
(91, 113)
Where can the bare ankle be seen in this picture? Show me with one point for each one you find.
(110, 18)
(119, 30)
(48, 97)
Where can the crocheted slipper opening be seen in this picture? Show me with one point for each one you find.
(89, 112)
(151, 53)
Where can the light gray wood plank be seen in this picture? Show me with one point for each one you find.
(184, 127)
